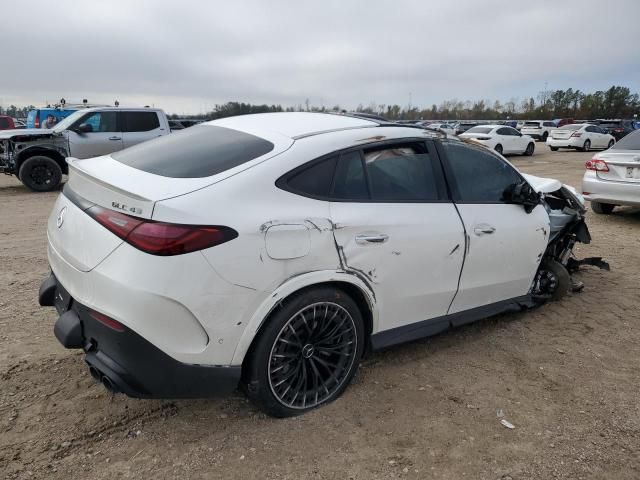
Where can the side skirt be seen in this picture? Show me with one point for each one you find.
(433, 326)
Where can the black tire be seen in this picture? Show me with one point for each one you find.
(498, 148)
(554, 149)
(545, 135)
(306, 354)
(530, 149)
(40, 173)
(602, 208)
(611, 143)
(586, 146)
(553, 280)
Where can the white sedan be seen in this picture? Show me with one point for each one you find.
(581, 136)
(445, 127)
(501, 138)
(274, 250)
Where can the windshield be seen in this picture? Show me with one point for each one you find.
(571, 127)
(68, 121)
(480, 130)
(630, 142)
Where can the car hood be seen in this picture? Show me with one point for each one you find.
(6, 134)
(542, 184)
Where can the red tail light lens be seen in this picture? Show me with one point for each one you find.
(36, 122)
(159, 238)
(107, 321)
(597, 165)
(576, 134)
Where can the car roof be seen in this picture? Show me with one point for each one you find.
(294, 125)
(490, 125)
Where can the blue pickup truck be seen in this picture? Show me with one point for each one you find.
(38, 117)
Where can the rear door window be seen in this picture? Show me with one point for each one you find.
(139, 121)
(350, 181)
(400, 174)
(196, 152)
(479, 175)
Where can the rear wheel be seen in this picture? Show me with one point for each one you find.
(40, 173)
(498, 148)
(307, 353)
(544, 136)
(586, 146)
(611, 143)
(602, 208)
(530, 149)
(554, 149)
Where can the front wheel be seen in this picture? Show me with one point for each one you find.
(498, 148)
(611, 143)
(554, 149)
(40, 173)
(552, 281)
(307, 353)
(530, 149)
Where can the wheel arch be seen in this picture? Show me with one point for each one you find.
(348, 283)
(45, 151)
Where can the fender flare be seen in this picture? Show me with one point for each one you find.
(54, 152)
(291, 286)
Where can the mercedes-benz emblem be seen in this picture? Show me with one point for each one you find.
(60, 219)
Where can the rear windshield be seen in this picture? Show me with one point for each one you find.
(571, 127)
(532, 124)
(199, 151)
(480, 130)
(629, 142)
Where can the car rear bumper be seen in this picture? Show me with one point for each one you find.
(564, 142)
(617, 193)
(124, 361)
(535, 135)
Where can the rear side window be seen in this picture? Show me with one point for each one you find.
(196, 152)
(480, 176)
(315, 180)
(139, 121)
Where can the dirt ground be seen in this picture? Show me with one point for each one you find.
(566, 375)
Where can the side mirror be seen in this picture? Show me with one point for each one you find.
(523, 194)
(85, 128)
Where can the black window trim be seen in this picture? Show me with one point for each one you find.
(122, 121)
(430, 145)
(450, 177)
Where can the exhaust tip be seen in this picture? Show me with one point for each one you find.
(95, 374)
(109, 385)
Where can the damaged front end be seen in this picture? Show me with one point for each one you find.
(566, 211)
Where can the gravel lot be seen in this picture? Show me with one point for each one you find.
(566, 375)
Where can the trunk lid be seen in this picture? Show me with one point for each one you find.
(562, 134)
(624, 166)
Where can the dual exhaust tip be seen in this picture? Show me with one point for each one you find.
(98, 376)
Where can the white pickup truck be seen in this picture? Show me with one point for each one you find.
(37, 156)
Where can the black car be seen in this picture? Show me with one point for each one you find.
(617, 128)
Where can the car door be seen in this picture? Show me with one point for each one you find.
(105, 136)
(395, 228)
(603, 137)
(504, 243)
(509, 142)
(139, 126)
(520, 142)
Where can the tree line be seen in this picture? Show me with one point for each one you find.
(615, 102)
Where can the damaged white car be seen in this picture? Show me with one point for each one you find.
(272, 251)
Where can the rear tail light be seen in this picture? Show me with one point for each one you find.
(107, 321)
(159, 238)
(576, 134)
(597, 165)
(36, 122)
(483, 138)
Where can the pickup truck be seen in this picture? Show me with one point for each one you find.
(37, 156)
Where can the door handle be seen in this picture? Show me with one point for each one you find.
(115, 138)
(373, 238)
(483, 229)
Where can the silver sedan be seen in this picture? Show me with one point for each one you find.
(612, 177)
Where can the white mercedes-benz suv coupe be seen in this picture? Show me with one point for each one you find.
(272, 251)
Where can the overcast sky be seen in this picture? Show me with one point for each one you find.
(186, 56)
